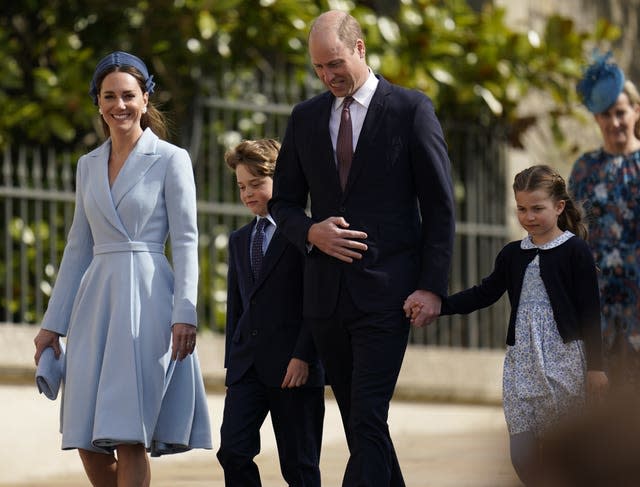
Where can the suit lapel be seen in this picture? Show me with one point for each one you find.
(141, 159)
(322, 139)
(275, 249)
(372, 123)
(244, 266)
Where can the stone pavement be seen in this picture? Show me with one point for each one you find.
(446, 422)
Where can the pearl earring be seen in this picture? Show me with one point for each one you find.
(144, 109)
(100, 111)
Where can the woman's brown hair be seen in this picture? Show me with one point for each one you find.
(153, 118)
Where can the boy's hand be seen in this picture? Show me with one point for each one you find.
(297, 374)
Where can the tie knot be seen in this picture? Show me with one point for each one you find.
(347, 102)
(262, 223)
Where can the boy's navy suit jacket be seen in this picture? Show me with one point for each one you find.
(264, 325)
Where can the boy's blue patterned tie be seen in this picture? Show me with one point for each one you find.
(256, 247)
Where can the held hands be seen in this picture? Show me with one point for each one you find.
(45, 339)
(297, 374)
(332, 237)
(183, 341)
(422, 307)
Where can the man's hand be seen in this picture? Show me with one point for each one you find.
(332, 237)
(422, 307)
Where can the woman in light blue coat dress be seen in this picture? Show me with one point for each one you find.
(132, 383)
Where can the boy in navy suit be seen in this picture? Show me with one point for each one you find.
(269, 356)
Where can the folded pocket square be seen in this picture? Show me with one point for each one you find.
(50, 372)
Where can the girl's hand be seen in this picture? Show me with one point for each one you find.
(415, 311)
(597, 385)
(412, 309)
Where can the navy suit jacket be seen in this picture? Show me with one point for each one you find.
(264, 318)
(399, 192)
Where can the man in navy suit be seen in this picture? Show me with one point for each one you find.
(381, 231)
(271, 361)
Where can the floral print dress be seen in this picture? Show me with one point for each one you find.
(608, 187)
(544, 378)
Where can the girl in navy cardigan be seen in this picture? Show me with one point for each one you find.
(553, 339)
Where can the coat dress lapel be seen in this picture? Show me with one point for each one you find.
(141, 159)
(98, 185)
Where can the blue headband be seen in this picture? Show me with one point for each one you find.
(120, 58)
(601, 84)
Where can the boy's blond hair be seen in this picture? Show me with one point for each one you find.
(259, 156)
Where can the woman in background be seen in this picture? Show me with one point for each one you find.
(606, 181)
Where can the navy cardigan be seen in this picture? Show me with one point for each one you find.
(568, 272)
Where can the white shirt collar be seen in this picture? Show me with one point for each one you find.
(268, 217)
(363, 95)
(527, 242)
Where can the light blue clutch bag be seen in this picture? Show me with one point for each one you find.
(50, 372)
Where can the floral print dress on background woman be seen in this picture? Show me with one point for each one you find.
(608, 186)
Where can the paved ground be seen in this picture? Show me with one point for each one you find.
(439, 445)
(461, 442)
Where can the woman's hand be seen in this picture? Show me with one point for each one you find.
(45, 339)
(183, 340)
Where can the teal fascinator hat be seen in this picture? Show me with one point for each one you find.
(601, 83)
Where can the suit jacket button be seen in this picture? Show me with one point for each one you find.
(254, 332)
(342, 209)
